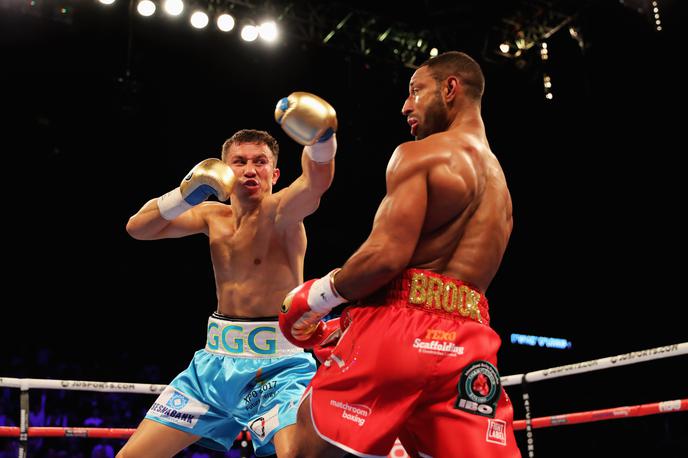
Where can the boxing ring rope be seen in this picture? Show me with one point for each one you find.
(24, 431)
(597, 364)
(579, 368)
(589, 416)
(60, 431)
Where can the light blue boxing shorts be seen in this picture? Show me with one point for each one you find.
(247, 375)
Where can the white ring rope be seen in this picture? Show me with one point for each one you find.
(80, 385)
(633, 357)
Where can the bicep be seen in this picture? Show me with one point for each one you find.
(188, 223)
(297, 201)
(302, 197)
(400, 217)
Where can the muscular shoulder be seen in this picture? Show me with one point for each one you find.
(210, 210)
(276, 197)
(408, 158)
(449, 160)
(428, 153)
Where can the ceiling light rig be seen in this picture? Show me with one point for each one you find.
(354, 31)
(530, 26)
(318, 23)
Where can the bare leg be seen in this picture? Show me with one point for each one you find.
(301, 440)
(284, 441)
(155, 440)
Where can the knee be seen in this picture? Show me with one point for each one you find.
(293, 449)
(288, 451)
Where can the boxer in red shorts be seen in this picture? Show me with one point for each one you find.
(417, 358)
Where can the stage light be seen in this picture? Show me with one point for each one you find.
(199, 19)
(173, 7)
(107, 2)
(547, 85)
(146, 8)
(383, 36)
(268, 31)
(658, 21)
(225, 22)
(544, 52)
(249, 32)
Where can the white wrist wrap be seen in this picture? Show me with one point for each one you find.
(172, 204)
(322, 296)
(323, 152)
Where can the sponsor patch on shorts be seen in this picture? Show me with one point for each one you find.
(356, 413)
(265, 424)
(438, 342)
(496, 432)
(176, 407)
(479, 389)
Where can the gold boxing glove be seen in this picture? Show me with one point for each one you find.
(211, 176)
(310, 121)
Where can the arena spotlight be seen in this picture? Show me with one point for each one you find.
(544, 51)
(249, 32)
(225, 22)
(107, 2)
(268, 31)
(173, 7)
(547, 86)
(199, 19)
(145, 8)
(658, 21)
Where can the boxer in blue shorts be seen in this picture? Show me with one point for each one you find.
(248, 374)
(261, 379)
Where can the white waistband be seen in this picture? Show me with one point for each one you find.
(248, 339)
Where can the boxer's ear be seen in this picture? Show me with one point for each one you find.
(451, 88)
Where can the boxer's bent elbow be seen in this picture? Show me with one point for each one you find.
(138, 231)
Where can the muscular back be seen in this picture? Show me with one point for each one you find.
(447, 209)
(468, 218)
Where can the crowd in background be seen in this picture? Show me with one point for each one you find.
(65, 408)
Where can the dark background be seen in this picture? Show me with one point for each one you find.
(93, 128)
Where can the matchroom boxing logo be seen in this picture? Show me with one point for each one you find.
(357, 413)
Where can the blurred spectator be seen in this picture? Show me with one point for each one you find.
(103, 451)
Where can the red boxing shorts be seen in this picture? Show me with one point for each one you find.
(418, 362)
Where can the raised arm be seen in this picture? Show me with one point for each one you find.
(312, 122)
(178, 213)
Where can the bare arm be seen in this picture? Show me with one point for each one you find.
(147, 224)
(396, 228)
(182, 211)
(302, 197)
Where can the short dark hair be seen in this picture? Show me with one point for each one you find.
(251, 136)
(459, 64)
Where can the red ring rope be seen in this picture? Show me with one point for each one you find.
(614, 413)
